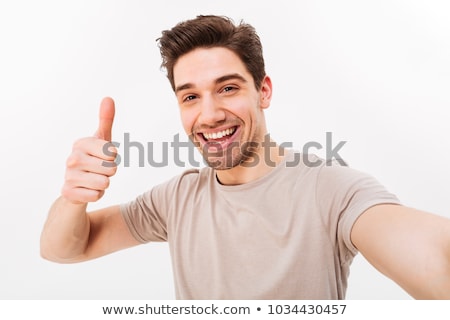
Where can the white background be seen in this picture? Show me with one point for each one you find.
(375, 73)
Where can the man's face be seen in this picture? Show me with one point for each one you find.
(221, 110)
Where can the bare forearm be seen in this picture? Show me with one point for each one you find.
(69, 234)
(66, 231)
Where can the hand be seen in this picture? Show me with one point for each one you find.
(91, 163)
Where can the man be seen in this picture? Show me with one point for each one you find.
(260, 222)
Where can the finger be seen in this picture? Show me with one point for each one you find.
(95, 147)
(83, 187)
(84, 162)
(81, 195)
(106, 118)
(88, 180)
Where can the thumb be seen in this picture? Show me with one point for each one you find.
(106, 118)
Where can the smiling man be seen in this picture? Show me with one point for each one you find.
(250, 225)
(221, 110)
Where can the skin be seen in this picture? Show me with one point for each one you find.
(409, 246)
(70, 234)
(223, 96)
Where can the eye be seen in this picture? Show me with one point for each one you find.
(229, 89)
(189, 98)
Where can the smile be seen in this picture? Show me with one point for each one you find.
(218, 135)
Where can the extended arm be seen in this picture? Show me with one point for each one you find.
(409, 246)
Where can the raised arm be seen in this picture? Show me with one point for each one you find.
(70, 234)
(409, 246)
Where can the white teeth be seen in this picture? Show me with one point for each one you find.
(218, 135)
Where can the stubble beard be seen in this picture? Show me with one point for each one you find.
(237, 153)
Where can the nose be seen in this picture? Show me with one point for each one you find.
(211, 112)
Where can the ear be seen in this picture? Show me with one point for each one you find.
(266, 92)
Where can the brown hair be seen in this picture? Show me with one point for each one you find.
(213, 31)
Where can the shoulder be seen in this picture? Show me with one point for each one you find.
(327, 178)
(311, 167)
(338, 177)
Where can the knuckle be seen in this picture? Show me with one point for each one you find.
(79, 144)
(73, 176)
(73, 160)
(68, 178)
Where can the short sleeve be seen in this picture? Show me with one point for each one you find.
(146, 216)
(343, 194)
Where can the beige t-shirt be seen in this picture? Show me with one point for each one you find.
(283, 236)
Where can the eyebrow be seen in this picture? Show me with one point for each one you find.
(232, 76)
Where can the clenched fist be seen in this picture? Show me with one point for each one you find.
(91, 163)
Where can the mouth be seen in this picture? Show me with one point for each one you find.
(219, 135)
(222, 137)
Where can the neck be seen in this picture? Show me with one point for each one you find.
(265, 160)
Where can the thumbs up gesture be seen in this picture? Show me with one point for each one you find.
(106, 118)
(89, 167)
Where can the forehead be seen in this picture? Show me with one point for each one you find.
(205, 65)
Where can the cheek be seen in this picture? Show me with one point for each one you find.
(240, 108)
(247, 111)
(188, 120)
